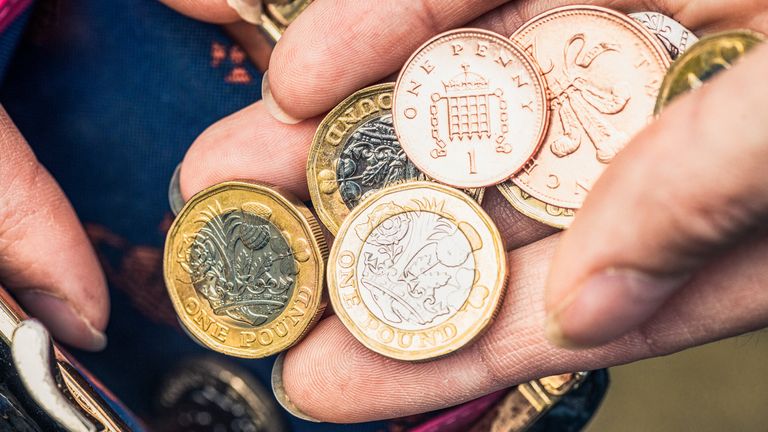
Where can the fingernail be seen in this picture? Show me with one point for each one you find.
(66, 323)
(249, 10)
(281, 395)
(608, 305)
(175, 200)
(272, 107)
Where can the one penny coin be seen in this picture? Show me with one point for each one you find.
(470, 108)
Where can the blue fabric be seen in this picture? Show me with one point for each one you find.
(9, 38)
(110, 94)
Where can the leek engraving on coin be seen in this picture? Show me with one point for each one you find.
(417, 267)
(372, 159)
(241, 264)
(581, 105)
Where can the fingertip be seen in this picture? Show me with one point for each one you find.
(212, 11)
(249, 145)
(65, 320)
(273, 107)
(606, 306)
(278, 389)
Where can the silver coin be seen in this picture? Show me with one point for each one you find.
(174, 192)
(676, 38)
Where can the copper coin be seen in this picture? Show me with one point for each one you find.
(470, 108)
(603, 70)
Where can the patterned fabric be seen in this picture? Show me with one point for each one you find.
(110, 94)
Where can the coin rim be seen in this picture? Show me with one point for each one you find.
(529, 63)
(749, 36)
(331, 218)
(496, 296)
(652, 39)
(317, 243)
(520, 204)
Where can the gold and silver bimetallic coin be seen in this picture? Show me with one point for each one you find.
(278, 15)
(355, 153)
(675, 38)
(243, 265)
(417, 271)
(705, 59)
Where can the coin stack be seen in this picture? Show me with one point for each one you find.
(418, 269)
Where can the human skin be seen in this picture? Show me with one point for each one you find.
(667, 252)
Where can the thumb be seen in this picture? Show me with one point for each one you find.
(688, 186)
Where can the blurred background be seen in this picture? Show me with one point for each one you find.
(722, 386)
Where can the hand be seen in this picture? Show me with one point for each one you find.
(668, 230)
(46, 259)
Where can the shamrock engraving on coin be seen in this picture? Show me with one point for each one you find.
(676, 38)
(705, 59)
(354, 153)
(554, 216)
(470, 108)
(603, 70)
(243, 265)
(417, 271)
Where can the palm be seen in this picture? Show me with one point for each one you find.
(339, 46)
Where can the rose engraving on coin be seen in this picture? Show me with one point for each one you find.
(673, 35)
(603, 70)
(417, 268)
(241, 264)
(372, 159)
(417, 271)
(469, 108)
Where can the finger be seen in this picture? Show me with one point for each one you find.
(214, 11)
(516, 228)
(45, 257)
(338, 46)
(277, 153)
(331, 377)
(249, 145)
(684, 189)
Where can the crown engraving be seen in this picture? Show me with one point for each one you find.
(241, 263)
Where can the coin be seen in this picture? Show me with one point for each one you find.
(354, 153)
(417, 271)
(243, 265)
(558, 217)
(277, 17)
(603, 70)
(207, 394)
(710, 56)
(285, 12)
(675, 38)
(470, 108)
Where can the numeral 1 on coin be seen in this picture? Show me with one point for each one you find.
(472, 166)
